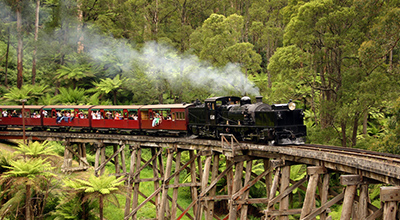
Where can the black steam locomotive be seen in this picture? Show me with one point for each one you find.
(275, 124)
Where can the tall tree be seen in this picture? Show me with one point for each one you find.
(36, 39)
(18, 8)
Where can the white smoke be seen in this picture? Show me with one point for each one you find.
(163, 62)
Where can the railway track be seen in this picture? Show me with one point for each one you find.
(352, 151)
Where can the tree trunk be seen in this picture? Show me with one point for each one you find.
(7, 55)
(28, 203)
(19, 47)
(115, 97)
(365, 123)
(79, 28)
(355, 128)
(36, 38)
(343, 125)
(101, 204)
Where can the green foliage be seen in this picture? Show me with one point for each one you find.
(29, 169)
(29, 92)
(70, 96)
(36, 149)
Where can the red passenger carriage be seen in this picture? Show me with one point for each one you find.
(11, 116)
(58, 117)
(115, 117)
(172, 118)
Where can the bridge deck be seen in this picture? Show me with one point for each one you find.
(384, 168)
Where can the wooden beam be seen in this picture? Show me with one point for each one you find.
(309, 199)
(271, 202)
(174, 200)
(103, 163)
(214, 174)
(129, 183)
(142, 204)
(212, 184)
(390, 194)
(321, 209)
(237, 183)
(249, 167)
(285, 180)
(347, 206)
(193, 180)
(136, 177)
(164, 198)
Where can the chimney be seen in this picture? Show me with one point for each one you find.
(259, 99)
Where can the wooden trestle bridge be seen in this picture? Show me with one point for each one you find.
(209, 161)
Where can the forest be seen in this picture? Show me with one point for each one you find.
(339, 60)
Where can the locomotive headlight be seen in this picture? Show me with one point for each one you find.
(292, 106)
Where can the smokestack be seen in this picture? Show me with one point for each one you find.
(259, 99)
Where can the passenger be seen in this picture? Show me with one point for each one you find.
(14, 113)
(94, 115)
(45, 113)
(72, 116)
(5, 113)
(108, 115)
(59, 116)
(117, 116)
(80, 115)
(135, 117)
(131, 117)
(156, 121)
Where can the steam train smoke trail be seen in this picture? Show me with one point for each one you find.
(158, 61)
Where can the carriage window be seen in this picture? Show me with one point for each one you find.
(180, 115)
(145, 115)
(132, 115)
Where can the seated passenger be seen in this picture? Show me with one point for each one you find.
(14, 113)
(117, 116)
(5, 113)
(156, 120)
(108, 115)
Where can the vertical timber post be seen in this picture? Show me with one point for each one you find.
(268, 177)
(164, 199)
(103, 158)
(129, 181)
(390, 196)
(194, 181)
(351, 182)
(174, 203)
(116, 159)
(363, 202)
(67, 156)
(249, 167)
(309, 200)
(285, 180)
(237, 184)
(324, 191)
(214, 174)
(204, 182)
(136, 181)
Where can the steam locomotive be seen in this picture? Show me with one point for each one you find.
(273, 124)
(276, 124)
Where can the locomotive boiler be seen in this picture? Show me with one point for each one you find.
(274, 124)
